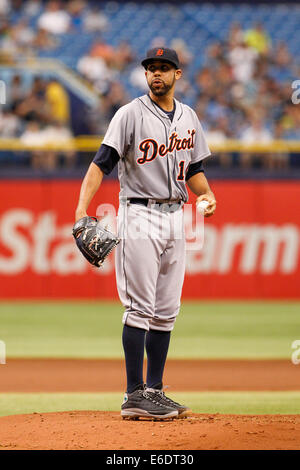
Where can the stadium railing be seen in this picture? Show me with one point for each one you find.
(232, 159)
(92, 143)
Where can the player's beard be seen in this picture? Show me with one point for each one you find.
(163, 89)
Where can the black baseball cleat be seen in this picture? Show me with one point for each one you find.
(158, 394)
(141, 404)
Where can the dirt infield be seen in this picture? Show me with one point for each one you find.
(108, 375)
(107, 431)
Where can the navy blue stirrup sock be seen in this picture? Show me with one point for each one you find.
(157, 345)
(134, 344)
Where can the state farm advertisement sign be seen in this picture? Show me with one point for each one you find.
(250, 249)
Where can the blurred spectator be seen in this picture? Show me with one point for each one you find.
(184, 90)
(123, 55)
(242, 58)
(9, 47)
(24, 35)
(276, 106)
(137, 78)
(10, 124)
(34, 106)
(32, 7)
(218, 134)
(200, 109)
(15, 91)
(5, 7)
(94, 69)
(15, 40)
(224, 74)
(265, 89)
(184, 54)
(33, 135)
(114, 57)
(258, 39)
(281, 55)
(16, 5)
(104, 51)
(236, 34)
(217, 107)
(59, 134)
(214, 54)
(75, 9)
(157, 42)
(91, 67)
(290, 122)
(53, 134)
(44, 40)
(206, 82)
(94, 20)
(99, 117)
(96, 120)
(114, 99)
(256, 133)
(281, 63)
(58, 100)
(54, 19)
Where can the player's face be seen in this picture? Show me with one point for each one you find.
(161, 77)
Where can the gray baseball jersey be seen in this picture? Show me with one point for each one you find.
(154, 152)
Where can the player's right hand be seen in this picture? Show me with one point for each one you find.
(212, 203)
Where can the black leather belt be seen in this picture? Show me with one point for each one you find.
(169, 206)
(138, 200)
(144, 202)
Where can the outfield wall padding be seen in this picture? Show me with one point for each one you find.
(250, 249)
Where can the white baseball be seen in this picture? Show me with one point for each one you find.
(202, 205)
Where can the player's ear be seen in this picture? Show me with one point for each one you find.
(178, 73)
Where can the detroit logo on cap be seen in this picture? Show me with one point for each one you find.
(160, 52)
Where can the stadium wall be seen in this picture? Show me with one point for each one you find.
(251, 246)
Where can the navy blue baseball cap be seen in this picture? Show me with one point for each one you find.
(163, 54)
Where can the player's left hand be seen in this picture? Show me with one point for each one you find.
(212, 203)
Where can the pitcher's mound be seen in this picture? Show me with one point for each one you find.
(108, 431)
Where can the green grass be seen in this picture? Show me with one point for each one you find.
(200, 402)
(203, 329)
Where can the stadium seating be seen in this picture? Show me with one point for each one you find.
(197, 24)
(140, 24)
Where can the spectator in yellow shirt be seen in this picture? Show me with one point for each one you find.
(258, 38)
(58, 100)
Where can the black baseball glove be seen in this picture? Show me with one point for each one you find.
(94, 241)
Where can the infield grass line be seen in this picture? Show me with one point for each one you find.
(200, 402)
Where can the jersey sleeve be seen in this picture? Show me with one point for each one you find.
(106, 158)
(120, 130)
(201, 149)
(193, 169)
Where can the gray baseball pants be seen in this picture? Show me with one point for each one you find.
(150, 264)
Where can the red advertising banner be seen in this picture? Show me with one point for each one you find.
(250, 250)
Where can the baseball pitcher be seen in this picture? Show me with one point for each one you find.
(158, 144)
